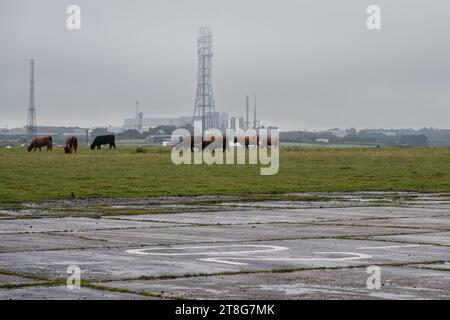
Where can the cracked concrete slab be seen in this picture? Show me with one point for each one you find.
(405, 238)
(63, 293)
(442, 238)
(290, 204)
(224, 233)
(285, 215)
(445, 266)
(396, 283)
(42, 241)
(6, 279)
(211, 258)
(434, 222)
(68, 224)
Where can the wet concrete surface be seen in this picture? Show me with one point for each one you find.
(8, 226)
(292, 215)
(63, 293)
(119, 263)
(268, 249)
(42, 241)
(396, 283)
(434, 237)
(234, 233)
(12, 280)
(439, 222)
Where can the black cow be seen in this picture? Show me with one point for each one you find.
(101, 140)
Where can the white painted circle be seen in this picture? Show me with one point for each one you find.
(220, 251)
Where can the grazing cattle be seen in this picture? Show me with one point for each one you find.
(206, 143)
(102, 140)
(247, 141)
(71, 145)
(39, 142)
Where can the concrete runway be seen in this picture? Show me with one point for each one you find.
(230, 250)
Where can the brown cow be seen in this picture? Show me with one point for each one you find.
(39, 142)
(71, 145)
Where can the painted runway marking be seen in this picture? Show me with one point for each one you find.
(259, 249)
(229, 257)
(396, 247)
(351, 256)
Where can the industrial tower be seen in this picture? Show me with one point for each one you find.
(139, 116)
(31, 122)
(247, 121)
(204, 102)
(255, 122)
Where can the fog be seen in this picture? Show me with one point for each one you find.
(312, 64)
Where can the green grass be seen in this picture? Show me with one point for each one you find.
(124, 173)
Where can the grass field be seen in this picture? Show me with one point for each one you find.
(124, 173)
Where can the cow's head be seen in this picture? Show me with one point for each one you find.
(30, 147)
(92, 146)
(66, 150)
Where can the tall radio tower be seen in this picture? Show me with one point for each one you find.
(31, 122)
(204, 101)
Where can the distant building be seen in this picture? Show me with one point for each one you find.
(112, 129)
(225, 121)
(241, 123)
(130, 123)
(18, 131)
(338, 132)
(222, 120)
(76, 132)
(233, 123)
(236, 123)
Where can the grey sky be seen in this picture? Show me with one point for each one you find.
(312, 63)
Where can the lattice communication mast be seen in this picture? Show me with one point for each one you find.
(31, 122)
(204, 102)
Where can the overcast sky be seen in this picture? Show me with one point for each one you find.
(311, 63)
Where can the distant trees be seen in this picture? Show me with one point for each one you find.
(414, 141)
(130, 135)
(99, 132)
(133, 134)
(361, 137)
(306, 136)
(161, 130)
